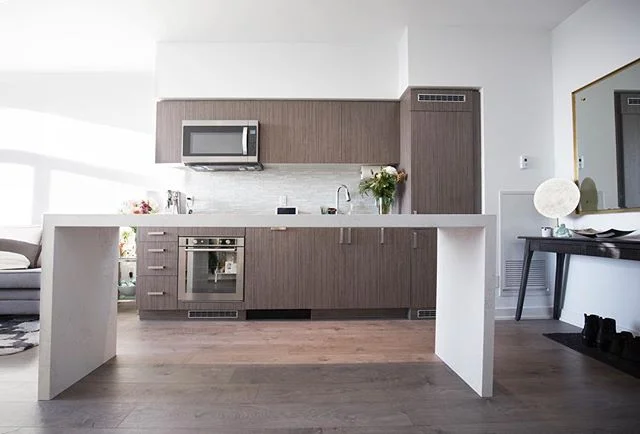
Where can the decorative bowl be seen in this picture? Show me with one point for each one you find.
(610, 233)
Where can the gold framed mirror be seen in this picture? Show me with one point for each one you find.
(606, 142)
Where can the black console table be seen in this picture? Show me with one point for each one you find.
(617, 248)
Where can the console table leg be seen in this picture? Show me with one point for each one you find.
(557, 288)
(528, 254)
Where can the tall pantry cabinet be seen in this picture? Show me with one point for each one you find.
(440, 150)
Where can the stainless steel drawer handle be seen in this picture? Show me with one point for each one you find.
(381, 235)
(155, 250)
(155, 293)
(349, 235)
(414, 240)
(278, 228)
(156, 267)
(341, 235)
(156, 234)
(197, 249)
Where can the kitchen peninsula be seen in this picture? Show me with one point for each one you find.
(79, 304)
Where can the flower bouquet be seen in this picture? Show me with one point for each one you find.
(144, 206)
(382, 186)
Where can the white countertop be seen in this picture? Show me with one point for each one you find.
(245, 220)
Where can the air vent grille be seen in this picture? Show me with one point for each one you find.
(633, 101)
(212, 314)
(426, 314)
(537, 275)
(441, 97)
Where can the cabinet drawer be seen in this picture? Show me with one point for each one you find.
(157, 292)
(157, 234)
(213, 232)
(157, 259)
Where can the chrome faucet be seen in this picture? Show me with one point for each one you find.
(347, 196)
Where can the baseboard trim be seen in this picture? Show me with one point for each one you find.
(538, 312)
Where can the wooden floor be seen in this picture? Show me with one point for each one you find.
(307, 377)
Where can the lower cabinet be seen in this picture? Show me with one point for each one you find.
(423, 268)
(327, 268)
(157, 292)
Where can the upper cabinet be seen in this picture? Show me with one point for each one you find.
(292, 131)
(370, 129)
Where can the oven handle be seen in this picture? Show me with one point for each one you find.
(195, 249)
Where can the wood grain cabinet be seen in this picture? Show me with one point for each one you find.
(327, 268)
(375, 270)
(423, 268)
(370, 132)
(157, 268)
(294, 131)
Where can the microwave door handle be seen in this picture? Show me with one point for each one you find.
(245, 131)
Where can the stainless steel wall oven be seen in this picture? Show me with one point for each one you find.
(210, 269)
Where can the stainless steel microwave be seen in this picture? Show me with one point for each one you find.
(219, 142)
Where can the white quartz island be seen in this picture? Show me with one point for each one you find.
(79, 303)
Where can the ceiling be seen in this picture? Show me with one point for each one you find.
(121, 34)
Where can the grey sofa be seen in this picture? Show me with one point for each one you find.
(20, 288)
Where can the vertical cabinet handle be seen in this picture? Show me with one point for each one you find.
(341, 235)
(156, 234)
(414, 240)
(349, 235)
(381, 235)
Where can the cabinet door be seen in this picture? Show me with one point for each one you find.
(273, 268)
(286, 132)
(370, 132)
(423, 268)
(376, 272)
(328, 130)
(157, 292)
(445, 166)
(169, 116)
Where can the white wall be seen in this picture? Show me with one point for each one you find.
(76, 142)
(513, 71)
(277, 70)
(600, 37)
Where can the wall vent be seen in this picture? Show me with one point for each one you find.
(537, 275)
(212, 314)
(441, 97)
(426, 314)
(633, 101)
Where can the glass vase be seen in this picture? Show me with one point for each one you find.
(384, 205)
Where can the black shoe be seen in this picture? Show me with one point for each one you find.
(590, 330)
(619, 342)
(606, 333)
(631, 350)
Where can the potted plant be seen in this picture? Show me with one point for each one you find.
(382, 186)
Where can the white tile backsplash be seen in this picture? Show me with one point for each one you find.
(306, 186)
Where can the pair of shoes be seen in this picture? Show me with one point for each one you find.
(598, 332)
(590, 330)
(619, 342)
(631, 350)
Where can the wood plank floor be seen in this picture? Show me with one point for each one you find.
(348, 377)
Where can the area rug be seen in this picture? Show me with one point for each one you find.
(18, 334)
(574, 341)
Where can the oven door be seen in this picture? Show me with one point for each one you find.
(219, 142)
(211, 274)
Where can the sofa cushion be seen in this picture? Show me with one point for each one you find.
(16, 279)
(13, 261)
(29, 238)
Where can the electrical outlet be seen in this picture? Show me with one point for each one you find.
(581, 162)
(524, 162)
(282, 200)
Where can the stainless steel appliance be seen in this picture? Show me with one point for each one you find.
(220, 145)
(210, 269)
